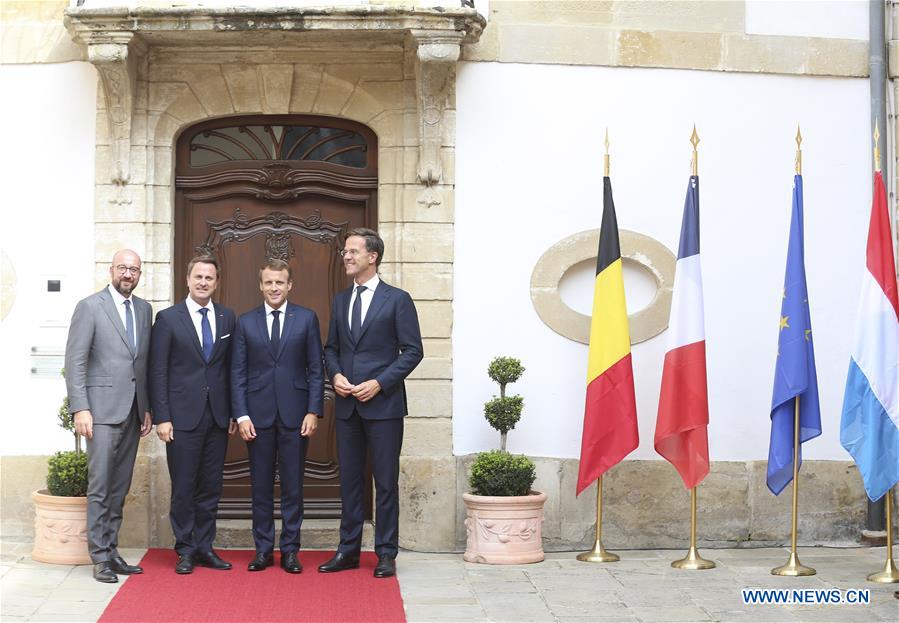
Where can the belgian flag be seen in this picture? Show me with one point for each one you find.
(610, 413)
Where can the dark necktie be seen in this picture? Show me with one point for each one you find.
(129, 324)
(276, 330)
(206, 329)
(356, 317)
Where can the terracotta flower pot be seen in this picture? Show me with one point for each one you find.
(60, 529)
(504, 530)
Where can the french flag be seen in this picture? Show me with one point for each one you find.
(869, 427)
(682, 424)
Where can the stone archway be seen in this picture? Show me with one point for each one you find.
(391, 69)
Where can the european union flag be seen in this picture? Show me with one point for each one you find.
(794, 376)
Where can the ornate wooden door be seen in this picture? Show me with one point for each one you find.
(284, 186)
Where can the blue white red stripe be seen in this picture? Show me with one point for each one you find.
(869, 427)
(682, 424)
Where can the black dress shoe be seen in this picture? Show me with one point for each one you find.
(211, 559)
(104, 573)
(290, 563)
(260, 562)
(386, 567)
(185, 564)
(118, 565)
(340, 562)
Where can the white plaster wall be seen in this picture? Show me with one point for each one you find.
(47, 188)
(839, 19)
(529, 173)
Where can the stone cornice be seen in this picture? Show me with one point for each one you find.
(169, 25)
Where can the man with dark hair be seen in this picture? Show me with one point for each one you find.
(277, 395)
(374, 343)
(190, 364)
(106, 382)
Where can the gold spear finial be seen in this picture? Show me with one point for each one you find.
(694, 139)
(605, 160)
(798, 151)
(876, 146)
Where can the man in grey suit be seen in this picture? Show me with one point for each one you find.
(106, 380)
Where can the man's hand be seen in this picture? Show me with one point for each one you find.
(366, 391)
(84, 423)
(310, 424)
(342, 385)
(232, 427)
(147, 426)
(247, 430)
(165, 431)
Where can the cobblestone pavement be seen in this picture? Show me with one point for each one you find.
(441, 587)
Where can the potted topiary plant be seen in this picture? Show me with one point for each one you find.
(504, 516)
(60, 510)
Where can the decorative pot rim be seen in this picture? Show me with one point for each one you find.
(46, 498)
(532, 497)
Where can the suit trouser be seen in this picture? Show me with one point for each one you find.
(110, 463)
(356, 437)
(288, 448)
(196, 459)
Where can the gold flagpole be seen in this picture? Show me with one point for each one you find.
(890, 573)
(598, 553)
(793, 566)
(693, 560)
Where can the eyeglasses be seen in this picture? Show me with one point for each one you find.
(122, 269)
(350, 252)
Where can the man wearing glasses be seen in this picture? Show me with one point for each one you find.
(106, 381)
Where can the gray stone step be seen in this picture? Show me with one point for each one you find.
(315, 534)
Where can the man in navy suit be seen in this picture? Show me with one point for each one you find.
(190, 364)
(277, 395)
(374, 343)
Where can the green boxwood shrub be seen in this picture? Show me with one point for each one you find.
(499, 473)
(67, 474)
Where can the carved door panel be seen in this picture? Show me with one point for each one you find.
(288, 187)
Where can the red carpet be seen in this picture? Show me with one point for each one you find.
(159, 594)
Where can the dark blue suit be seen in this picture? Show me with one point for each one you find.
(277, 390)
(194, 395)
(388, 349)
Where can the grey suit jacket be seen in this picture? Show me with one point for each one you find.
(103, 371)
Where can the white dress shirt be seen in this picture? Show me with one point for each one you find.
(269, 318)
(119, 301)
(367, 296)
(197, 318)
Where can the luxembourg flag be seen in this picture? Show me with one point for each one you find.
(682, 424)
(869, 428)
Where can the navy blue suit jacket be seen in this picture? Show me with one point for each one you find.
(180, 378)
(289, 382)
(388, 349)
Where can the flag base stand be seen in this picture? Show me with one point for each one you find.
(889, 574)
(793, 568)
(693, 560)
(598, 553)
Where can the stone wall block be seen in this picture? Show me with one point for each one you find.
(429, 398)
(549, 476)
(432, 367)
(428, 437)
(427, 242)
(206, 81)
(333, 94)
(764, 54)
(438, 348)
(23, 475)
(553, 43)
(373, 97)
(304, 89)
(427, 501)
(389, 126)
(103, 168)
(160, 204)
(102, 129)
(389, 197)
(577, 524)
(463, 467)
(161, 490)
(243, 87)
(436, 318)
(428, 205)
(701, 16)
(138, 167)
(432, 282)
(157, 281)
(108, 210)
(390, 165)
(162, 166)
(837, 57)
(135, 530)
(637, 48)
(110, 237)
(277, 84)
(159, 248)
(33, 32)
(163, 128)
